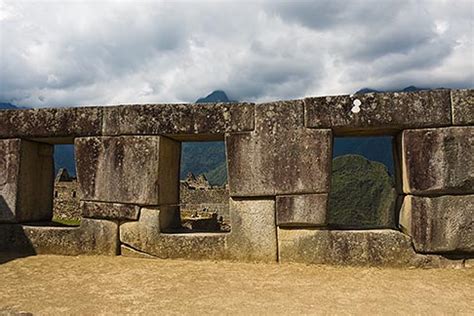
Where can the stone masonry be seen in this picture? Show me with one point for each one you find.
(279, 163)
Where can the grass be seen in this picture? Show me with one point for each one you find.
(67, 221)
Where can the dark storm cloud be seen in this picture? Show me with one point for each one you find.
(119, 52)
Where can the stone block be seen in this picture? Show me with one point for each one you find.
(253, 235)
(438, 161)
(26, 181)
(145, 236)
(462, 103)
(110, 210)
(130, 252)
(179, 119)
(141, 170)
(379, 112)
(280, 156)
(302, 210)
(439, 224)
(51, 122)
(93, 237)
(345, 247)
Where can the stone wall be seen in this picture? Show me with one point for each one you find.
(197, 195)
(279, 163)
(66, 201)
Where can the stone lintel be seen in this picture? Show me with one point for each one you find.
(179, 120)
(375, 112)
(49, 123)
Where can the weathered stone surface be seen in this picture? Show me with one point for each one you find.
(439, 224)
(110, 210)
(26, 181)
(127, 251)
(253, 235)
(140, 170)
(51, 122)
(146, 236)
(93, 237)
(179, 119)
(302, 210)
(346, 247)
(462, 102)
(9, 178)
(379, 112)
(435, 261)
(438, 161)
(281, 156)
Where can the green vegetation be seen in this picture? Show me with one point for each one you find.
(362, 193)
(218, 176)
(66, 222)
(204, 157)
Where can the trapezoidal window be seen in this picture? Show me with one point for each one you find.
(66, 202)
(46, 179)
(363, 191)
(203, 190)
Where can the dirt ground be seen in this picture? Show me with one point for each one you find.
(120, 285)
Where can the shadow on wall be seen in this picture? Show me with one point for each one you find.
(14, 243)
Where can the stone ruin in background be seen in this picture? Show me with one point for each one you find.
(203, 207)
(279, 169)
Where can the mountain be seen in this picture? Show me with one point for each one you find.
(215, 96)
(7, 106)
(362, 193)
(375, 148)
(218, 175)
(203, 157)
(406, 89)
(64, 158)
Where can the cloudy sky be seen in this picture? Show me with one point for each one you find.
(57, 53)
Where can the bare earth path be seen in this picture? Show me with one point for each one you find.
(111, 285)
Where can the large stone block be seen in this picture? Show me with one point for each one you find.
(302, 210)
(462, 102)
(253, 235)
(26, 181)
(179, 119)
(93, 237)
(438, 161)
(281, 156)
(379, 112)
(51, 122)
(110, 210)
(140, 170)
(146, 236)
(439, 224)
(346, 247)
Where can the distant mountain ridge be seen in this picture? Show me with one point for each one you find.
(406, 89)
(8, 106)
(214, 97)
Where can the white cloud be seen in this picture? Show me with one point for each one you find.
(89, 52)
